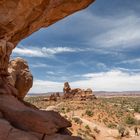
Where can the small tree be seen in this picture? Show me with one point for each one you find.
(89, 113)
(121, 130)
(137, 108)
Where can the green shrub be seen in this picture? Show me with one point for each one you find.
(111, 125)
(89, 113)
(130, 120)
(121, 130)
(137, 108)
(68, 110)
(78, 121)
(96, 130)
(87, 127)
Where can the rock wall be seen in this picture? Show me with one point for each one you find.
(19, 19)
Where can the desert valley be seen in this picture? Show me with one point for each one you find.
(94, 117)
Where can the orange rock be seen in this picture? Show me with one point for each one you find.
(20, 76)
(29, 119)
(20, 18)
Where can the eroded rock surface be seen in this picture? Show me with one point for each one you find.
(20, 76)
(19, 19)
(28, 119)
(77, 93)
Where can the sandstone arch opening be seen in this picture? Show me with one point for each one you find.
(19, 19)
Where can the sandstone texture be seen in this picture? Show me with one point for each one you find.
(77, 93)
(18, 19)
(20, 76)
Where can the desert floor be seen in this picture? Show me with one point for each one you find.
(98, 119)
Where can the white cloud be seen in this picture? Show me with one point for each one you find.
(41, 86)
(34, 52)
(51, 73)
(114, 80)
(39, 65)
(131, 61)
(42, 52)
(123, 32)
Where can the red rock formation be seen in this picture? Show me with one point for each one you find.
(20, 76)
(53, 97)
(19, 19)
(66, 88)
(77, 93)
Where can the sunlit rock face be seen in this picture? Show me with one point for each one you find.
(77, 93)
(19, 19)
(20, 76)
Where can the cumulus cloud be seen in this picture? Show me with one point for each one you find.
(113, 80)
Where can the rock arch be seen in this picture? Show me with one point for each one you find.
(19, 19)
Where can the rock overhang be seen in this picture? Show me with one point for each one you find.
(20, 18)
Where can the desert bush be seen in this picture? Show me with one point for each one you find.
(68, 110)
(121, 130)
(105, 120)
(137, 108)
(65, 116)
(87, 127)
(96, 130)
(127, 133)
(62, 110)
(89, 113)
(78, 121)
(111, 125)
(130, 120)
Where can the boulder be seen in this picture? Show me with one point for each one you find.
(20, 76)
(8, 132)
(61, 137)
(29, 119)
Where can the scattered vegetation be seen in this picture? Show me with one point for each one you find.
(89, 113)
(87, 127)
(96, 130)
(130, 120)
(137, 108)
(106, 111)
(121, 130)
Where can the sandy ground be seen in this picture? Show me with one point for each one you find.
(137, 116)
(107, 133)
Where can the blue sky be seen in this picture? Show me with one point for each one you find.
(96, 48)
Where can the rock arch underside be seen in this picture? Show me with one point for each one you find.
(18, 20)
